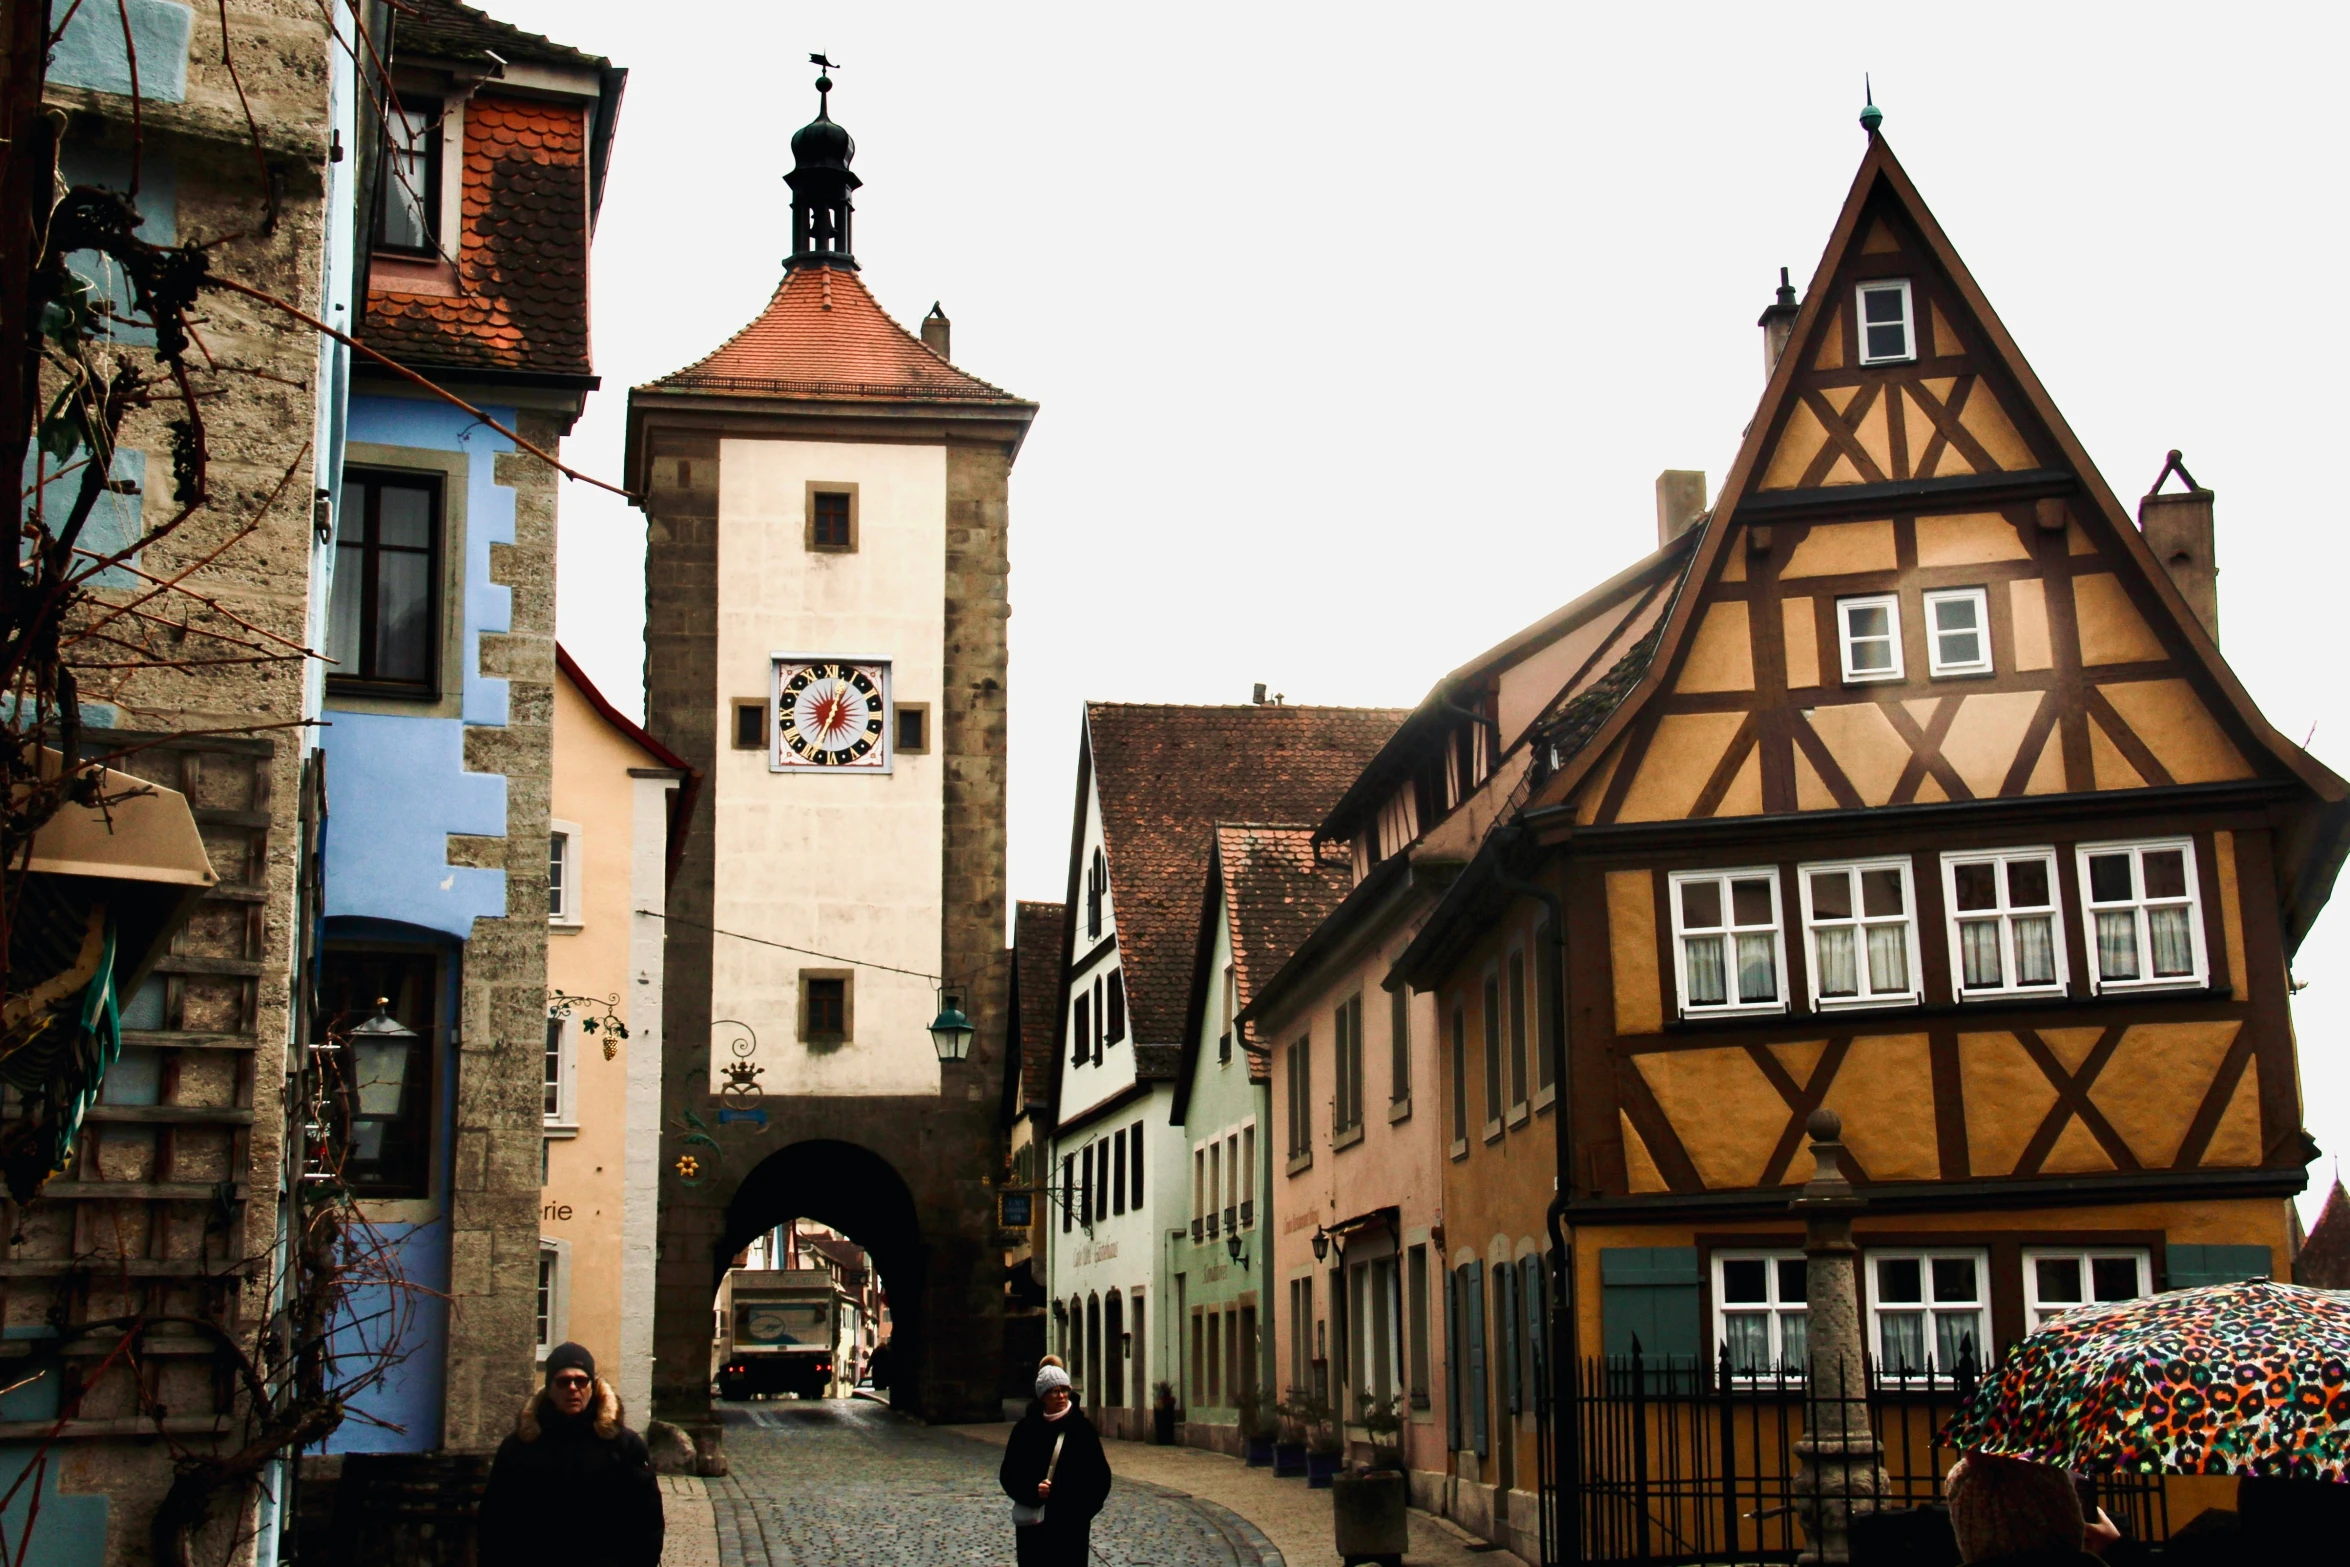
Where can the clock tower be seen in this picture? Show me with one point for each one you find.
(825, 643)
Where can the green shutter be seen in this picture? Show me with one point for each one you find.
(1651, 1293)
(2185, 1267)
(1505, 1280)
(1473, 1293)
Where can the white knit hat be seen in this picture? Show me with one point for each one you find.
(1048, 1378)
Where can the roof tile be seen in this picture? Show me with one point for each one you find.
(1036, 949)
(1278, 886)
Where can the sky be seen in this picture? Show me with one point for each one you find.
(1361, 333)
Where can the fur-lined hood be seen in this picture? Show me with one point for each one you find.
(605, 1411)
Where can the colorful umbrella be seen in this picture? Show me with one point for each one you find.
(2228, 1379)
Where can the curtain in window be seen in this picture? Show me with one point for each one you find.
(1758, 968)
(2035, 950)
(1748, 1335)
(1888, 958)
(1794, 1341)
(1978, 944)
(1703, 957)
(1901, 1340)
(1839, 972)
(1954, 1339)
(2117, 944)
(2173, 946)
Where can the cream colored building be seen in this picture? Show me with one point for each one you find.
(616, 791)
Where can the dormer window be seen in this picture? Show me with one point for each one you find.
(1886, 334)
(411, 212)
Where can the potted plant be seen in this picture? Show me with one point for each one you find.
(1323, 1446)
(1289, 1438)
(1369, 1509)
(1256, 1436)
(1164, 1414)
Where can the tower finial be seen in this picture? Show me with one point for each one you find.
(821, 184)
(1870, 116)
(823, 84)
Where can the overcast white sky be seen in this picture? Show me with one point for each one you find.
(1362, 332)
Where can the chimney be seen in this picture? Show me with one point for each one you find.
(2178, 529)
(1778, 324)
(938, 332)
(1258, 695)
(1680, 501)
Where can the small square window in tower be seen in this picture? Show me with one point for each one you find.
(827, 1006)
(1886, 334)
(832, 518)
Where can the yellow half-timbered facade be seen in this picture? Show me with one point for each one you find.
(1929, 799)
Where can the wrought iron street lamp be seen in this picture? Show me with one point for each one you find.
(1232, 1249)
(1321, 1244)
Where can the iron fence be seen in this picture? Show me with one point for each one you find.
(1677, 1460)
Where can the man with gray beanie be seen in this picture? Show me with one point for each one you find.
(1056, 1474)
(572, 1485)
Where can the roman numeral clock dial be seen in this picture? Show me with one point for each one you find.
(831, 715)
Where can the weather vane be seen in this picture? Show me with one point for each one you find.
(824, 82)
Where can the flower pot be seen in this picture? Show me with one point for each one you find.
(1259, 1451)
(1289, 1458)
(1371, 1517)
(1163, 1426)
(1320, 1468)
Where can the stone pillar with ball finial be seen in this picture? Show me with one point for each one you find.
(1843, 1472)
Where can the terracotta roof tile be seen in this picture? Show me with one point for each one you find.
(823, 335)
(522, 253)
(1036, 955)
(2324, 1262)
(1278, 889)
(1165, 776)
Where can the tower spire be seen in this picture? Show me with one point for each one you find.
(821, 182)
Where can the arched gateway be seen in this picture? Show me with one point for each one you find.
(825, 644)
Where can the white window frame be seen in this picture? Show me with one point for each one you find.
(553, 1326)
(1778, 929)
(1951, 860)
(1936, 665)
(568, 914)
(1775, 1310)
(1879, 1308)
(1859, 924)
(2038, 1312)
(1909, 320)
(1891, 604)
(563, 1120)
(2137, 849)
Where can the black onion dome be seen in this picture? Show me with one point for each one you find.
(822, 144)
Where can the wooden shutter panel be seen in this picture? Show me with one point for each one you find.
(1651, 1293)
(1453, 1385)
(1473, 1289)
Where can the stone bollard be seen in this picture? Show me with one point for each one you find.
(1843, 1473)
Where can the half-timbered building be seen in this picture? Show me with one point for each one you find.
(1930, 799)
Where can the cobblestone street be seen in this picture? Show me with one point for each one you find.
(845, 1483)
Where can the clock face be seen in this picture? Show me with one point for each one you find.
(831, 714)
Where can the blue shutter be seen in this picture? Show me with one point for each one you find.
(1473, 1293)
(2185, 1267)
(1453, 1385)
(1505, 1291)
(1651, 1293)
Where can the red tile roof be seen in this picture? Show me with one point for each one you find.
(449, 30)
(1278, 888)
(1165, 776)
(823, 336)
(1036, 957)
(2324, 1262)
(521, 256)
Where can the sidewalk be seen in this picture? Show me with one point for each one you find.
(689, 1530)
(1294, 1518)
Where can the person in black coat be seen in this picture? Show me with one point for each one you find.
(572, 1484)
(1080, 1482)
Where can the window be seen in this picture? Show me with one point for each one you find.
(1399, 1046)
(1347, 1065)
(1492, 1054)
(832, 518)
(1085, 1188)
(1232, 1182)
(1546, 1043)
(1199, 1193)
(1416, 1305)
(750, 724)
(1759, 1312)
(1863, 938)
(1869, 632)
(1517, 996)
(1097, 883)
(1958, 632)
(564, 906)
(1115, 1008)
(2003, 925)
(1726, 927)
(1068, 1192)
(1885, 333)
(913, 726)
(1460, 1080)
(560, 1090)
(1247, 1182)
(1224, 1033)
(1081, 1031)
(1101, 1022)
(1301, 1087)
(548, 1316)
(383, 627)
(2059, 1281)
(410, 217)
(387, 1095)
(2141, 911)
(1926, 1310)
(1135, 1196)
(1118, 1174)
(827, 1006)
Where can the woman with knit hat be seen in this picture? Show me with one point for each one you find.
(2015, 1513)
(1056, 1474)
